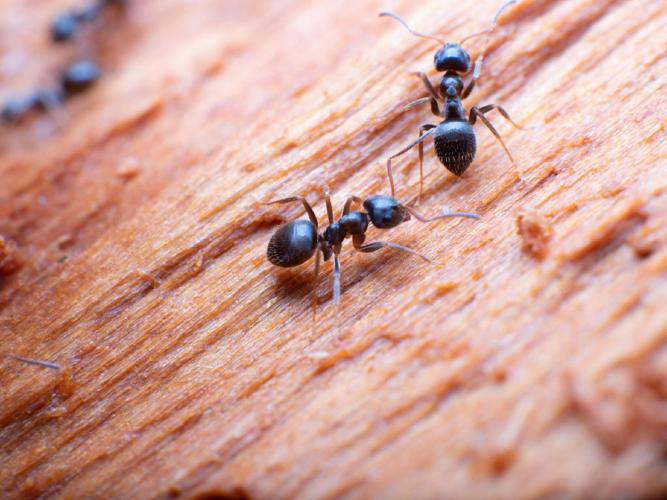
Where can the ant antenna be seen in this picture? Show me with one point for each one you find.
(448, 215)
(490, 30)
(405, 25)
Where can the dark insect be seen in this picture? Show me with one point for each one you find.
(454, 138)
(297, 241)
(79, 76)
(68, 25)
(17, 109)
(76, 78)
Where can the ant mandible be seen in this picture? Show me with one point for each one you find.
(295, 242)
(454, 138)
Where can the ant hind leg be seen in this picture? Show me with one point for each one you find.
(403, 151)
(477, 113)
(501, 110)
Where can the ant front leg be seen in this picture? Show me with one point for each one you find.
(348, 203)
(404, 150)
(478, 113)
(475, 75)
(306, 205)
(435, 109)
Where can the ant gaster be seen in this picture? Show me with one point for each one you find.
(296, 242)
(454, 138)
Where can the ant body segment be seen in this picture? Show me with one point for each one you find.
(296, 242)
(454, 139)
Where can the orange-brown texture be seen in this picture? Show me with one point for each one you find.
(192, 365)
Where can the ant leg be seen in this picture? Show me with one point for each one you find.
(336, 282)
(314, 292)
(403, 151)
(435, 108)
(427, 83)
(348, 203)
(501, 110)
(475, 75)
(306, 205)
(327, 198)
(422, 129)
(478, 63)
(377, 245)
(474, 114)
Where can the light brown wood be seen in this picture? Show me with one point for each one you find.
(531, 362)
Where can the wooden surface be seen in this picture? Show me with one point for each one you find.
(531, 363)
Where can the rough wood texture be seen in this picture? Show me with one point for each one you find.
(531, 363)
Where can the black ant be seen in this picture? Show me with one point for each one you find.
(295, 242)
(76, 78)
(67, 25)
(454, 138)
(16, 109)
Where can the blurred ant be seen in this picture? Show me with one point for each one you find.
(67, 25)
(295, 242)
(75, 79)
(454, 138)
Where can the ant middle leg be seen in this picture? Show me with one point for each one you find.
(435, 108)
(306, 205)
(403, 151)
(478, 113)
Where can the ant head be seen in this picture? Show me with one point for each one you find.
(452, 57)
(385, 211)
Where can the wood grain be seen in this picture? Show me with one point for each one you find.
(192, 367)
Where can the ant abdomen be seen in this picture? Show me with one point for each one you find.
(293, 244)
(455, 145)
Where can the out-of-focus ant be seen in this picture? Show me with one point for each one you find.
(76, 78)
(67, 25)
(296, 242)
(454, 138)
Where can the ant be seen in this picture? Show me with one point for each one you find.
(67, 25)
(454, 138)
(75, 79)
(295, 242)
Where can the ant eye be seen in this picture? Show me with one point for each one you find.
(385, 211)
